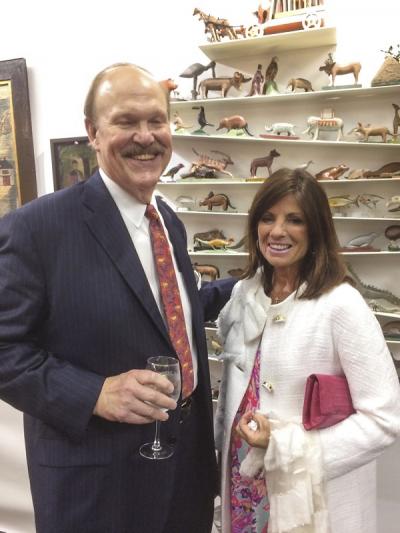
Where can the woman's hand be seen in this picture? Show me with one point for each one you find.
(258, 437)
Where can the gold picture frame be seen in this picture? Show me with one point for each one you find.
(17, 161)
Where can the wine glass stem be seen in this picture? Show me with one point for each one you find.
(156, 447)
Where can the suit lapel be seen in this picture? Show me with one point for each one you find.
(108, 228)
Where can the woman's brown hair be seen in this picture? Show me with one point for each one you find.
(322, 267)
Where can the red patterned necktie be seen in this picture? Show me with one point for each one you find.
(171, 299)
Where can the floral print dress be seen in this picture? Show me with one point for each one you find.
(249, 498)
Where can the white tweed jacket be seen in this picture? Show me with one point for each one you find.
(334, 334)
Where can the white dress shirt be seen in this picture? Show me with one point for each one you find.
(137, 224)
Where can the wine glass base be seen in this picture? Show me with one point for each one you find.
(147, 451)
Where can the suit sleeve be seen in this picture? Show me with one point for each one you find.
(32, 379)
(214, 295)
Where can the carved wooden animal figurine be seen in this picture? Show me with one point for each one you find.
(236, 272)
(393, 234)
(213, 244)
(216, 200)
(210, 234)
(194, 71)
(396, 119)
(257, 82)
(317, 124)
(213, 25)
(235, 122)
(207, 270)
(201, 119)
(299, 83)
(332, 173)
(169, 85)
(263, 162)
(281, 127)
(215, 164)
(333, 69)
(393, 204)
(386, 171)
(179, 124)
(270, 86)
(356, 174)
(368, 131)
(222, 84)
(173, 170)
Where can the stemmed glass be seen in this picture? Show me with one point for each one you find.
(168, 367)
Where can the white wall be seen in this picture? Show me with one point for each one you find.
(65, 44)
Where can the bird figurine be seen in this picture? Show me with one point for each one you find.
(173, 170)
(362, 241)
(201, 119)
(305, 166)
(194, 71)
(270, 86)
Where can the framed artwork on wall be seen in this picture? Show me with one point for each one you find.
(73, 160)
(17, 162)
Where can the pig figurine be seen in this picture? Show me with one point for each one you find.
(234, 122)
(281, 127)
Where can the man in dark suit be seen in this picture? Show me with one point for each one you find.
(80, 313)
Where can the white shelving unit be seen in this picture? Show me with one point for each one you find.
(367, 104)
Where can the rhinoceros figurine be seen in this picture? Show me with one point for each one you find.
(281, 127)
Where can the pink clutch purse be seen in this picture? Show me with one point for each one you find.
(327, 401)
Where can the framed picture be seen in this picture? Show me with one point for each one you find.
(17, 162)
(73, 160)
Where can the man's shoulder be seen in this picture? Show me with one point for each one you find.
(50, 205)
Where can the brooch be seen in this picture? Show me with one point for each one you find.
(278, 318)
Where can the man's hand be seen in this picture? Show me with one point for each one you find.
(135, 397)
(258, 437)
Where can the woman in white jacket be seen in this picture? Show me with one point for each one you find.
(294, 314)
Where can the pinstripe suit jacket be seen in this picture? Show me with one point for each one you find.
(75, 307)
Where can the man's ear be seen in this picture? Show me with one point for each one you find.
(92, 133)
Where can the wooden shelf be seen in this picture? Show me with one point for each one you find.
(392, 343)
(270, 43)
(298, 142)
(298, 97)
(232, 253)
(387, 315)
(364, 219)
(242, 181)
(216, 181)
(216, 213)
(191, 212)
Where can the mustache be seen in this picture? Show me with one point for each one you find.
(136, 149)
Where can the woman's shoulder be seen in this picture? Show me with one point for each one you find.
(345, 299)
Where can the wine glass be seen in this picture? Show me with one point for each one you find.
(170, 368)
